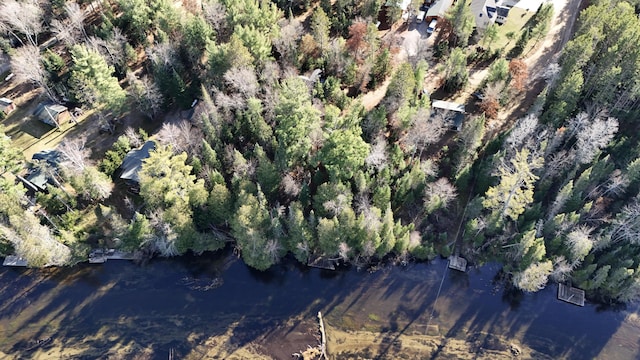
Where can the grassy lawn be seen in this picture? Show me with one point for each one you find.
(31, 135)
(516, 20)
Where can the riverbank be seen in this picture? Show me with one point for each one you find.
(342, 344)
(120, 310)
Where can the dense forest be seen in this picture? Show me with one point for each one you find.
(280, 159)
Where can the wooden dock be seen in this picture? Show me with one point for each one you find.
(13, 260)
(571, 295)
(322, 263)
(100, 256)
(97, 259)
(457, 263)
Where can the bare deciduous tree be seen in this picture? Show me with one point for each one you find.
(164, 238)
(626, 226)
(111, 49)
(182, 137)
(491, 101)
(287, 43)
(24, 17)
(378, 154)
(273, 249)
(242, 80)
(290, 185)
(337, 205)
(237, 164)
(438, 195)
(617, 184)
(523, 131)
(215, 14)
(63, 32)
(343, 251)
(75, 155)
(146, 93)
(429, 167)
(76, 17)
(134, 138)
(336, 60)
(551, 74)
(561, 269)
(26, 64)
(269, 79)
(426, 129)
(594, 137)
(163, 55)
(557, 162)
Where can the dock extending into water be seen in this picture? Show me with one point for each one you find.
(100, 256)
(13, 260)
(571, 295)
(457, 263)
(322, 263)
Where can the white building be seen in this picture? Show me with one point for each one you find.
(488, 12)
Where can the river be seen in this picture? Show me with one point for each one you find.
(213, 304)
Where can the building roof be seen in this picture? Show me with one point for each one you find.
(484, 12)
(4, 102)
(48, 113)
(503, 11)
(37, 176)
(448, 105)
(52, 157)
(133, 161)
(439, 8)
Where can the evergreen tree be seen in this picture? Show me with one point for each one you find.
(295, 119)
(463, 22)
(515, 190)
(343, 153)
(92, 82)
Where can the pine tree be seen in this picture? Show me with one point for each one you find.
(92, 81)
(515, 190)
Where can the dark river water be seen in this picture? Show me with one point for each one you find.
(90, 310)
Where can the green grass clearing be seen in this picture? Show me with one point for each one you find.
(515, 22)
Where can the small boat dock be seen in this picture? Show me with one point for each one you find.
(13, 260)
(457, 263)
(100, 256)
(322, 263)
(571, 295)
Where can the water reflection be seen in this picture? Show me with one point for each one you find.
(95, 310)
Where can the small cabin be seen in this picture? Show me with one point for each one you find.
(571, 295)
(6, 105)
(52, 114)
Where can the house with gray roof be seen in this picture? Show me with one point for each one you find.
(52, 114)
(132, 163)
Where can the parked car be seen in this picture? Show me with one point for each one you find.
(432, 26)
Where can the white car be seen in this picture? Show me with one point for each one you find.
(432, 26)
